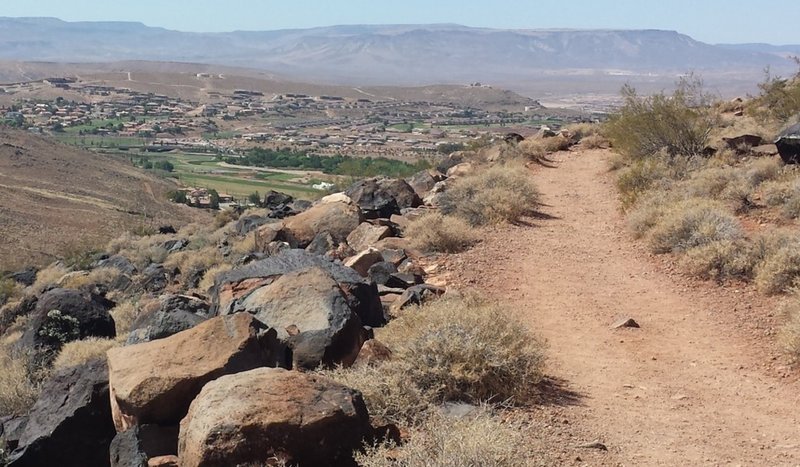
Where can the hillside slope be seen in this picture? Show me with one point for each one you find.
(54, 198)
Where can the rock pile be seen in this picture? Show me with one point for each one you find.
(222, 376)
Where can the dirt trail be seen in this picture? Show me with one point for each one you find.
(689, 387)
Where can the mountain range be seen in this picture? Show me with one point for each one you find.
(400, 54)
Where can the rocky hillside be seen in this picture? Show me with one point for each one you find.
(247, 340)
(56, 198)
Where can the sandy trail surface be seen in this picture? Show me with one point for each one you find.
(696, 384)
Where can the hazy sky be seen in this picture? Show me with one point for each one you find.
(772, 21)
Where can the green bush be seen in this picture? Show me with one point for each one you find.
(679, 123)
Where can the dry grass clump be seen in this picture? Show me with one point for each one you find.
(389, 396)
(245, 245)
(100, 276)
(780, 268)
(579, 131)
(692, 224)
(224, 217)
(555, 143)
(763, 170)
(78, 352)
(18, 390)
(192, 262)
(124, 314)
(658, 172)
(778, 192)
(434, 232)
(595, 142)
(477, 439)
(533, 150)
(211, 274)
(452, 349)
(722, 260)
(48, 276)
(9, 290)
(496, 195)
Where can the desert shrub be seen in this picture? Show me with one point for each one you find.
(453, 349)
(789, 335)
(579, 131)
(647, 213)
(555, 143)
(224, 217)
(434, 232)
(464, 349)
(778, 100)
(641, 176)
(678, 123)
(389, 396)
(721, 260)
(79, 352)
(763, 170)
(791, 208)
(780, 267)
(18, 389)
(594, 142)
(533, 150)
(722, 183)
(495, 195)
(777, 192)
(692, 224)
(477, 439)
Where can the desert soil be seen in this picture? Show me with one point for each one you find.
(701, 382)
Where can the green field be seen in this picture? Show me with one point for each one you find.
(203, 171)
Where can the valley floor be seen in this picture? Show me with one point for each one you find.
(700, 383)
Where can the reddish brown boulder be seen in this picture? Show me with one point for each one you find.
(270, 413)
(154, 382)
(367, 235)
(362, 261)
(338, 218)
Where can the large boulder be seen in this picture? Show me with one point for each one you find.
(424, 181)
(154, 382)
(788, 143)
(252, 417)
(382, 197)
(247, 224)
(70, 424)
(233, 287)
(312, 316)
(169, 315)
(65, 315)
(337, 218)
(367, 235)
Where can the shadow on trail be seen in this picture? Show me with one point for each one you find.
(554, 392)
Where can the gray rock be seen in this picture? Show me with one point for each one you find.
(70, 424)
(79, 315)
(233, 287)
(173, 314)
